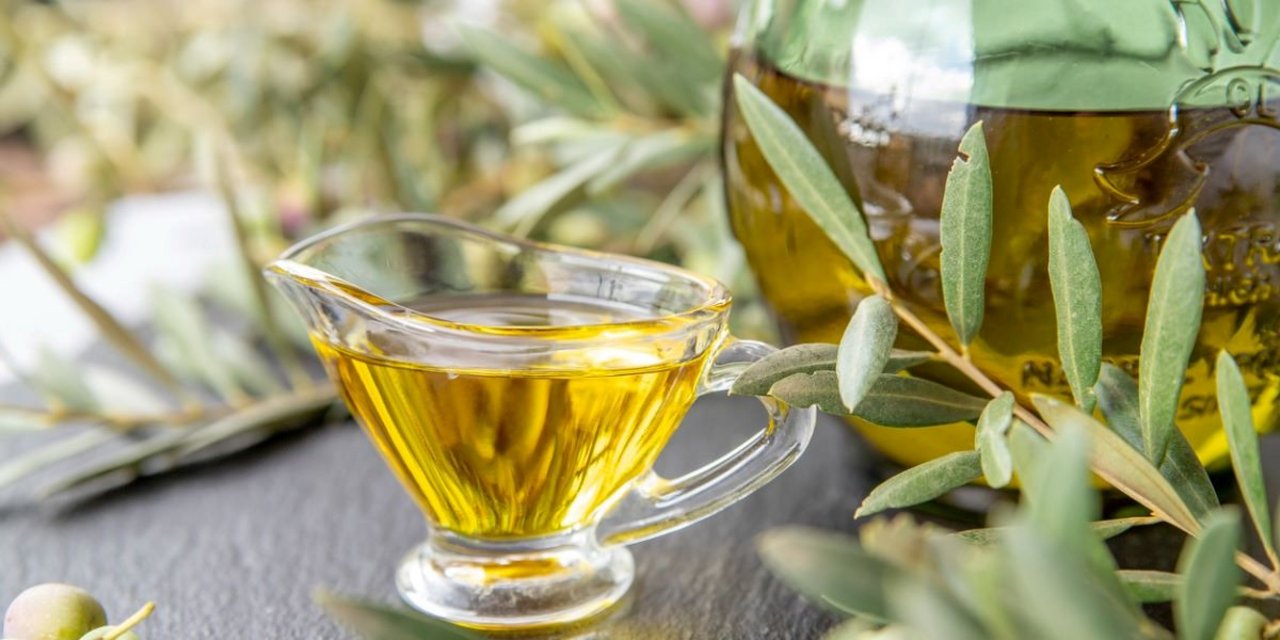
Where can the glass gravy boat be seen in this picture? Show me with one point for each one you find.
(521, 393)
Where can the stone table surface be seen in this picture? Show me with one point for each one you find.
(234, 549)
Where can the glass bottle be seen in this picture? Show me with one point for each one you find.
(1140, 110)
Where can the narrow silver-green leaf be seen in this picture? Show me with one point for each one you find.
(1028, 449)
(773, 368)
(923, 483)
(808, 358)
(535, 74)
(657, 151)
(32, 461)
(1044, 576)
(523, 212)
(852, 629)
(1173, 319)
(671, 32)
(1210, 577)
(377, 622)
(1117, 393)
(19, 421)
(61, 380)
(123, 394)
(993, 424)
(865, 348)
(903, 359)
(1077, 299)
(1104, 529)
(247, 364)
(183, 324)
(828, 568)
(1242, 438)
(807, 176)
(1119, 464)
(1148, 587)
(1063, 507)
(966, 235)
(1241, 623)
(892, 401)
(930, 611)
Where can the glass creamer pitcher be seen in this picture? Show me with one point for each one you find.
(521, 393)
(1140, 109)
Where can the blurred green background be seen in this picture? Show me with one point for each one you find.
(585, 122)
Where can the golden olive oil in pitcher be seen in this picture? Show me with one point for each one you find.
(1128, 174)
(493, 453)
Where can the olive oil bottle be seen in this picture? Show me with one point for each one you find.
(1128, 173)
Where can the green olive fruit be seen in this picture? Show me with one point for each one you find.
(53, 611)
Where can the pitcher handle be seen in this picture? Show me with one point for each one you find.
(657, 505)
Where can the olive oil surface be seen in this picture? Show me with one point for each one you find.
(497, 453)
(1128, 175)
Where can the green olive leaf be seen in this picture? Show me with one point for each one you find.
(1077, 299)
(1242, 439)
(808, 358)
(1241, 623)
(184, 326)
(864, 349)
(1063, 508)
(1210, 577)
(378, 622)
(539, 76)
(1042, 575)
(758, 378)
(1117, 393)
(1028, 449)
(1148, 587)
(807, 176)
(989, 440)
(1173, 319)
(1122, 466)
(670, 31)
(930, 611)
(903, 359)
(829, 568)
(32, 461)
(1104, 529)
(523, 212)
(61, 380)
(656, 151)
(923, 483)
(966, 235)
(892, 401)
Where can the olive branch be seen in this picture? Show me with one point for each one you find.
(1046, 441)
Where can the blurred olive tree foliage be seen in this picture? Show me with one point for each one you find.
(586, 122)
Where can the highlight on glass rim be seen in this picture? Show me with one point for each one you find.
(750, 319)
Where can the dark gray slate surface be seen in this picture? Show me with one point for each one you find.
(232, 550)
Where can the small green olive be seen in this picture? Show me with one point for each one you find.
(53, 611)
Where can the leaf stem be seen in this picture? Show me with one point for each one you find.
(960, 362)
(1267, 577)
(130, 622)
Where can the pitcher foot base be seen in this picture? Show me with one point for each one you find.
(513, 585)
